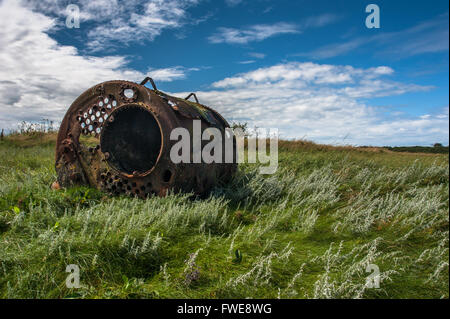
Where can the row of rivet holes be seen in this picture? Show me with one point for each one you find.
(115, 183)
(89, 119)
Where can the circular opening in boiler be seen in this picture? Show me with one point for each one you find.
(133, 140)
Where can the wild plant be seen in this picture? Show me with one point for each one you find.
(191, 270)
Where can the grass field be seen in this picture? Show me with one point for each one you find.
(308, 231)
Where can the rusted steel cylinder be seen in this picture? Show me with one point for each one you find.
(116, 136)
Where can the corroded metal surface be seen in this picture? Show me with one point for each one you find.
(115, 137)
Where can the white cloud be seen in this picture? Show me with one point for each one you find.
(113, 23)
(323, 103)
(303, 73)
(335, 49)
(257, 32)
(247, 62)
(170, 74)
(40, 78)
(257, 55)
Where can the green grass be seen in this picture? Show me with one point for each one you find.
(308, 231)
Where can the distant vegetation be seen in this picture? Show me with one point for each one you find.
(315, 229)
(436, 149)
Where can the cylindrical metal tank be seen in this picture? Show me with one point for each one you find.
(116, 136)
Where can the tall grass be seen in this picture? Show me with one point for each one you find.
(308, 231)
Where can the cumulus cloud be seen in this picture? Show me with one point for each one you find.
(323, 103)
(113, 23)
(299, 74)
(40, 78)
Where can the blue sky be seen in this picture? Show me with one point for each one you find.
(309, 68)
